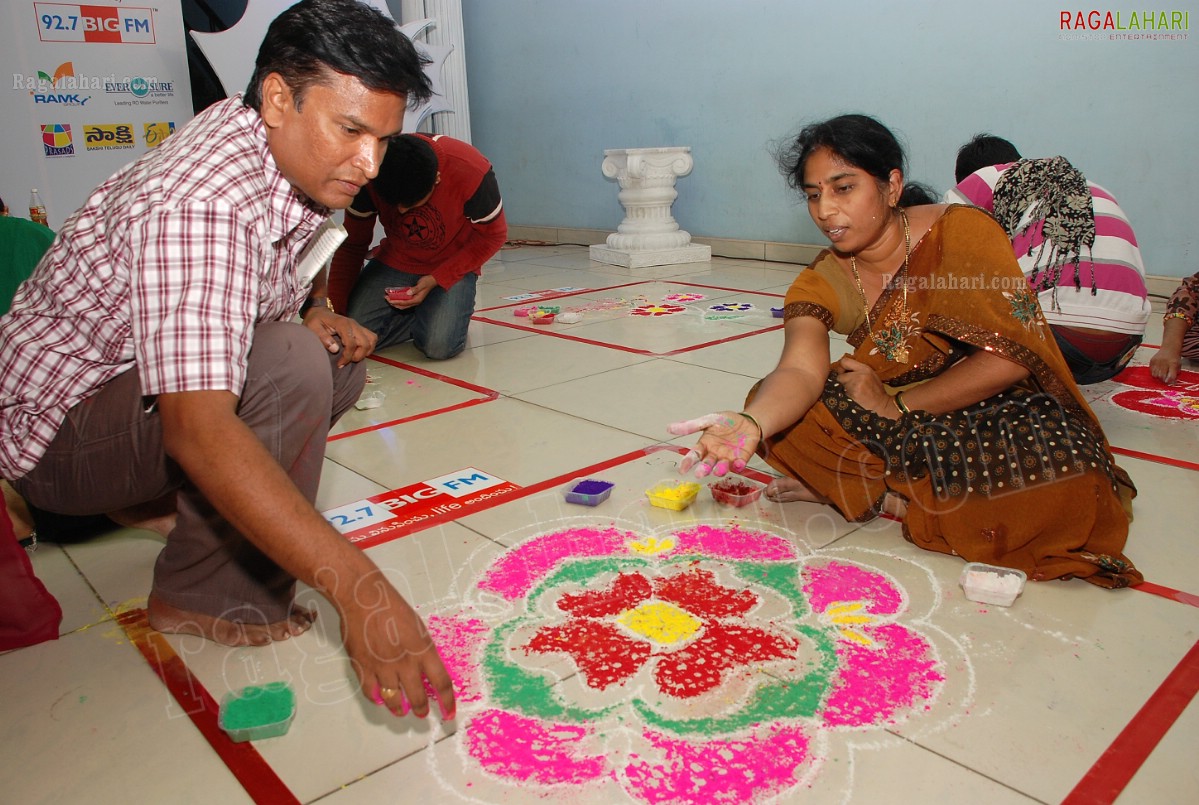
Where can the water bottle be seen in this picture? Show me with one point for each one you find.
(37, 210)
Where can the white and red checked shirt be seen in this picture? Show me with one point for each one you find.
(166, 269)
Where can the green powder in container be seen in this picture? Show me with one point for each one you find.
(258, 711)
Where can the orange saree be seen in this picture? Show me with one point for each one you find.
(1024, 479)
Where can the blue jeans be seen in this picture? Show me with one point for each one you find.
(437, 326)
(1087, 370)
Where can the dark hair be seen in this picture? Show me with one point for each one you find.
(344, 36)
(916, 194)
(408, 171)
(860, 140)
(982, 152)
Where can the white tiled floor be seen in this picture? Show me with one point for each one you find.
(1032, 698)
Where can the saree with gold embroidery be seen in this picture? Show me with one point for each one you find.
(1024, 479)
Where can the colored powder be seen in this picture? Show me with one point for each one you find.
(837, 582)
(514, 574)
(458, 640)
(532, 750)
(680, 492)
(258, 706)
(719, 771)
(876, 682)
(733, 543)
(591, 487)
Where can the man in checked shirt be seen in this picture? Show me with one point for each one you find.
(153, 358)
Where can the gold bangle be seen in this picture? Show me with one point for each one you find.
(761, 433)
(903, 409)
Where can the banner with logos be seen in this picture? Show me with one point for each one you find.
(91, 87)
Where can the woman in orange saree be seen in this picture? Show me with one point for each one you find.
(955, 412)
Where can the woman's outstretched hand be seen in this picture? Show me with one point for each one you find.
(728, 441)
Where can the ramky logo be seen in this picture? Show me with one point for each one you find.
(156, 133)
(63, 79)
(56, 140)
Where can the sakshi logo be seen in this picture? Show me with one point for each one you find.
(156, 133)
(108, 136)
(55, 89)
(56, 140)
(141, 87)
(120, 25)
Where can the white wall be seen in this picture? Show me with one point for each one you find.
(555, 82)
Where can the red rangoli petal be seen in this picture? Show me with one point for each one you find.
(603, 655)
(625, 592)
(701, 666)
(698, 592)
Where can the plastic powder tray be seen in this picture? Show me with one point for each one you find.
(523, 312)
(589, 492)
(541, 318)
(258, 711)
(736, 491)
(777, 312)
(991, 584)
(672, 495)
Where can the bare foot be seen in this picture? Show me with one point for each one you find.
(18, 512)
(894, 506)
(157, 515)
(171, 620)
(789, 490)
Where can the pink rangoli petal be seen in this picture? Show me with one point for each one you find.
(733, 543)
(530, 750)
(838, 582)
(515, 573)
(875, 682)
(718, 771)
(457, 641)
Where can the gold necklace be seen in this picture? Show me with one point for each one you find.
(891, 340)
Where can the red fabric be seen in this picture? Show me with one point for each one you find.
(28, 613)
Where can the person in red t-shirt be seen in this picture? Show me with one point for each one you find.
(443, 217)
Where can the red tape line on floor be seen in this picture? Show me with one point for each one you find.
(1116, 767)
(251, 770)
(1173, 462)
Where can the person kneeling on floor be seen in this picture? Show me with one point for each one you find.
(443, 218)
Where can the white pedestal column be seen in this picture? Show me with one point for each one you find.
(648, 235)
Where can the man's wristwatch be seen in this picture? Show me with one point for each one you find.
(315, 301)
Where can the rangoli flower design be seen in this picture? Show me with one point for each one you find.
(656, 310)
(1180, 401)
(705, 664)
(683, 298)
(728, 310)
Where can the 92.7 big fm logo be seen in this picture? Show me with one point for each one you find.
(64, 22)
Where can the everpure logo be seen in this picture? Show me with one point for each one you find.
(121, 25)
(140, 87)
(56, 140)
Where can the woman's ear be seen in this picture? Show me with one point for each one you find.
(894, 187)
